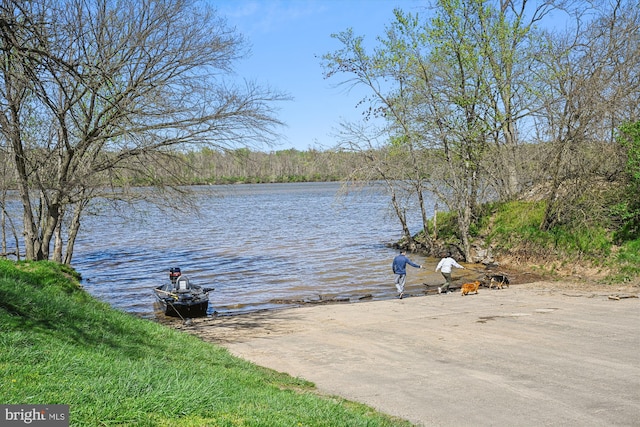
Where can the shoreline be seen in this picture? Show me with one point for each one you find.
(426, 286)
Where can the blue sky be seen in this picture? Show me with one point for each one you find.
(288, 37)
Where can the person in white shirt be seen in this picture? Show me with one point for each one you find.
(445, 265)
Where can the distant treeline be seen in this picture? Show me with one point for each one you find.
(245, 166)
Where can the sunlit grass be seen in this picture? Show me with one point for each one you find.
(513, 229)
(60, 346)
(628, 259)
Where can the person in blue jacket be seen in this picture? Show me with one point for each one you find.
(399, 267)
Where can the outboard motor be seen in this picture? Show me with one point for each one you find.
(174, 273)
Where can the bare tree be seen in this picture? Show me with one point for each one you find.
(380, 166)
(458, 91)
(92, 89)
(509, 49)
(591, 87)
(390, 75)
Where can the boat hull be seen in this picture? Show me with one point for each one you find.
(184, 305)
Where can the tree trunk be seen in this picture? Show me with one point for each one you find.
(57, 245)
(31, 241)
(401, 213)
(74, 228)
(464, 222)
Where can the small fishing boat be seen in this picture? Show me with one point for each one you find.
(180, 298)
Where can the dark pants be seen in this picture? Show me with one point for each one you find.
(447, 278)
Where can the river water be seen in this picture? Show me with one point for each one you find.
(262, 246)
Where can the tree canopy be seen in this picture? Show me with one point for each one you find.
(91, 90)
(485, 100)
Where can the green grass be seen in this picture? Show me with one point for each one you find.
(61, 346)
(513, 229)
(514, 225)
(628, 260)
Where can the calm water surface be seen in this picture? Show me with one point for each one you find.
(260, 246)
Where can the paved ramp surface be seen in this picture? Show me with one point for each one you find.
(528, 355)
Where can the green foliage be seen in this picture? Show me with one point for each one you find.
(629, 137)
(514, 228)
(514, 218)
(447, 226)
(628, 259)
(518, 222)
(628, 211)
(61, 346)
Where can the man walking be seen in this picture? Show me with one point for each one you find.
(445, 266)
(399, 267)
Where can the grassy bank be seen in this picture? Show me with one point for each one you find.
(61, 346)
(512, 231)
